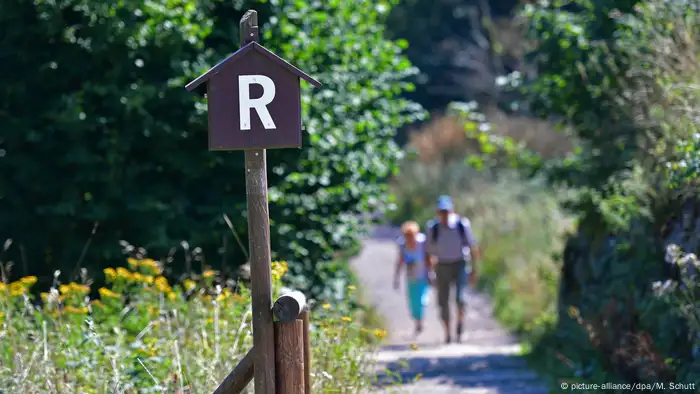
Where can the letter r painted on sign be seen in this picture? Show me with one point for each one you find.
(245, 103)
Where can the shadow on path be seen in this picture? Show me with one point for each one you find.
(495, 372)
(486, 362)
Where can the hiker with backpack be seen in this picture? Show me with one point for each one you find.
(451, 251)
(412, 258)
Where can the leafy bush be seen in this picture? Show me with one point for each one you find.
(116, 146)
(143, 334)
(519, 225)
(621, 75)
(519, 222)
(681, 295)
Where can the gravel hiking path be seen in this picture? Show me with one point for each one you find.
(487, 360)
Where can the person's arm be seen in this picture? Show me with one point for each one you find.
(428, 251)
(472, 244)
(399, 267)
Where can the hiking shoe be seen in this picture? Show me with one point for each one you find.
(418, 330)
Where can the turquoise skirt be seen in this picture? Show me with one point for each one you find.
(417, 297)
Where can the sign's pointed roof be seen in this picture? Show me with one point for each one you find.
(252, 46)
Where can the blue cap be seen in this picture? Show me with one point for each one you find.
(444, 203)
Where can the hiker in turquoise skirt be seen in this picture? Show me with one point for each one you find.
(412, 258)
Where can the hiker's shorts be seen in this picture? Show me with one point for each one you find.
(448, 274)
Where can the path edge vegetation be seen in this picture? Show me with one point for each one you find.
(76, 226)
(615, 276)
(144, 333)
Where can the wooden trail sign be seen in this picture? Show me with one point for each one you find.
(254, 104)
(254, 100)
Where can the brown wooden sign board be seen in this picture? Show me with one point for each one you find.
(254, 101)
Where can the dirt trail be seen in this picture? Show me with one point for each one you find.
(485, 362)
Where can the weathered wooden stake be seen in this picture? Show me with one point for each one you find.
(288, 306)
(289, 352)
(241, 375)
(277, 125)
(259, 243)
(305, 316)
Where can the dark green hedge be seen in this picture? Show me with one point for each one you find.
(98, 133)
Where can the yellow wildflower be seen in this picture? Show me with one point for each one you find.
(346, 319)
(137, 277)
(363, 330)
(352, 287)
(80, 289)
(110, 273)
(133, 263)
(221, 297)
(189, 284)
(326, 305)
(72, 309)
(3, 286)
(97, 303)
(414, 346)
(208, 274)
(152, 265)
(279, 268)
(161, 284)
(237, 298)
(107, 293)
(573, 311)
(28, 280)
(379, 333)
(282, 267)
(44, 296)
(172, 296)
(2, 315)
(64, 289)
(124, 273)
(17, 289)
(147, 278)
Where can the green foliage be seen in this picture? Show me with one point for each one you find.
(682, 296)
(519, 268)
(100, 136)
(579, 81)
(440, 33)
(144, 335)
(665, 41)
(622, 75)
(495, 150)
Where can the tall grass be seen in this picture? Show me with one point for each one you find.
(145, 335)
(520, 227)
(520, 223)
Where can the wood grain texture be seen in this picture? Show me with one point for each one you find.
(289, 352)
(260, 271)
(305, 317)
(288, 306)
(239, 378)
(259, 246)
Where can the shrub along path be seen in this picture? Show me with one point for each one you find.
(486, 361)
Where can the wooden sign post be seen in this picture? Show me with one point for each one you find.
(254, 104)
